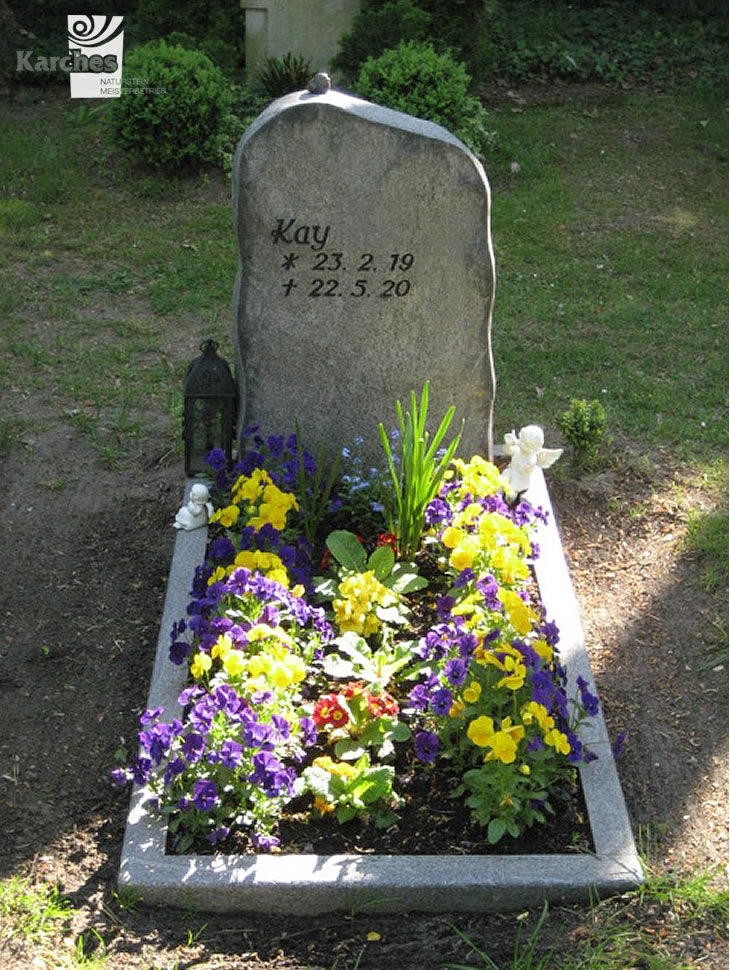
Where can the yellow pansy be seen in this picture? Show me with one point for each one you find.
(556, 739)
(464, 554)
(234, 663)
(480, 730)
(259, 664)
(468, 515)
(251, 488)
(511, 664)
(222, 647)
(508, 561)
(246, 559)
(227, 516)
(543, 649)
(217, 576)
(201, 665)
(451, 537)
(519, 614)
(537, 712)
(472, 692)
(279, 576)
(457, 708)
(504, 742)
(258, 632)
(467, 606)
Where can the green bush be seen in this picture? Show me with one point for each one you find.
(611, 41)
(222, 19)
(278, 76)
(178, 123)
(378, 27)
(452, 25)
(224, 55)
(247, 106)
(415, 79)
(584, 425)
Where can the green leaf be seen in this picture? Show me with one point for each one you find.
(369, 789)
(347, 550)
(345, 814)
(404, 578)
(390, 614)
(354, 646)
(384, 821)
(385, 750)
(325, 588)
(497, 828)
(400, 731)
(318, 781)
(184, 844)
(337, 667)
(381, 562)
(349, 750)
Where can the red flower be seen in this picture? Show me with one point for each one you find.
(330, 710)
(324, 709)
(381, 704)
(388, 539)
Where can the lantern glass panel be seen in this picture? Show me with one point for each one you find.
(208, 425)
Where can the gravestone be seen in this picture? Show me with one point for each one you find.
(365, 269)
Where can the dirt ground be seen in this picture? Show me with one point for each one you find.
(81, 604)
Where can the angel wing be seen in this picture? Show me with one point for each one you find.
(511, 443)
(547, 457)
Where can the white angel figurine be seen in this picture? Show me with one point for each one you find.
(526, 453)
(197, 512)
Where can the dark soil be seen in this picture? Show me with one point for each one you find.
(430, 822)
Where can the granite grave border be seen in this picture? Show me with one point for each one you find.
(312, 884)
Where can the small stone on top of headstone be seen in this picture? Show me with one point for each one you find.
(320, 83)
(365, 270)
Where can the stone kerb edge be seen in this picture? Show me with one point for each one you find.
(311, 884)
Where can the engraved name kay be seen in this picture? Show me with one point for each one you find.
(338, 274)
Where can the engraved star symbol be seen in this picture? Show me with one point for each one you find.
(289, 261)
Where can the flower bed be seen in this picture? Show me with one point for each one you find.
(316, 655)
(330, 678)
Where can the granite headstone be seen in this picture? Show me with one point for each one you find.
(366, 269)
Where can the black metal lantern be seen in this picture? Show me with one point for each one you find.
(210, 403)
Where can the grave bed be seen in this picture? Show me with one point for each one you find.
(311, 884)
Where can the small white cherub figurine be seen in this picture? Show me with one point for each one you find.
(197, 512)
(526, 453)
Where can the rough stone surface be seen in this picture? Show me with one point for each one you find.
(366, 268)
